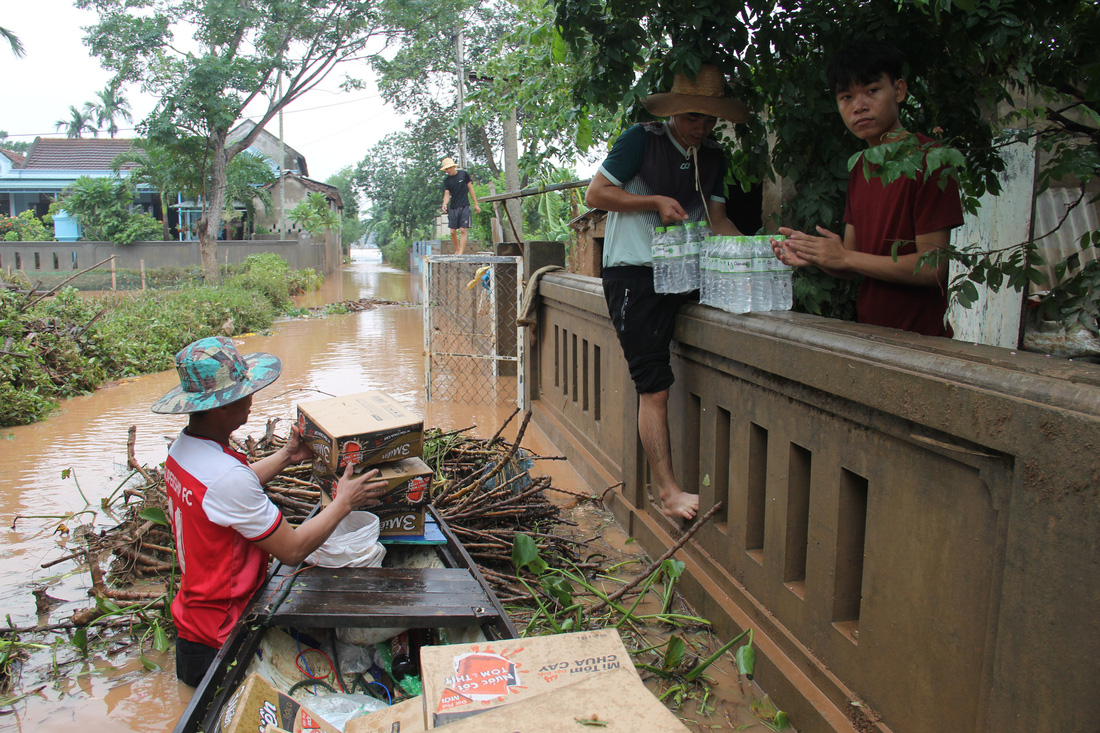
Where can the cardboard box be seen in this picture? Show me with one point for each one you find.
(406, 716)
(408, 482)
(616, 701)
(466, 679)
(395, 521)
(256, 704)
(363, 429)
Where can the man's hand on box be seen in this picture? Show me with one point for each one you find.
(296, 449)
(361, 490)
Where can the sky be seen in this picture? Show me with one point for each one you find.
(332, 129)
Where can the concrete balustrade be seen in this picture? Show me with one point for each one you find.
(910, 524)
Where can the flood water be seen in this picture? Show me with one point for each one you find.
(379, 349)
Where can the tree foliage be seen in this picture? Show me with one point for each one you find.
(400, 176)
(103, 208)
(968, 63)
(207, 62)
(78, 123)
(109, 104)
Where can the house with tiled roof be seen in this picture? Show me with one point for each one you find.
(32, 181)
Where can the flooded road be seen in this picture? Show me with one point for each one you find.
(71, 461)
(86, 438)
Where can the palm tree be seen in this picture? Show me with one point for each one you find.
(110, 104)
(166, 169)
(77, 123)
(16, 44)
(245, 179)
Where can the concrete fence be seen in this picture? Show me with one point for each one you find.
(910, 524)
(322, 254)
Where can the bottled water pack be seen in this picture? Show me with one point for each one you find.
(742, 274)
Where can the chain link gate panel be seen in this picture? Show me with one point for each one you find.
(473, 346)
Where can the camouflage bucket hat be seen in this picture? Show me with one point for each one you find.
(213, 373)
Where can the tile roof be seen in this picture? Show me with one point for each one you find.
(48, 153)
(13, 156)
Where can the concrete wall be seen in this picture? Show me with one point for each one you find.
(322, 255)
(909, 523)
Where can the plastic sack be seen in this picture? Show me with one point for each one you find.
(353, 544)
(338, 708)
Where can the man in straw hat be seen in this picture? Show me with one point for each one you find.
(658, 173)
(224, 525)
(458, 191)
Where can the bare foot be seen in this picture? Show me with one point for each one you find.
(680, 505)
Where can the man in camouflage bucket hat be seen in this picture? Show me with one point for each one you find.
(225, 527)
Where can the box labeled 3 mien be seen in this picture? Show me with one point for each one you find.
(362, 429)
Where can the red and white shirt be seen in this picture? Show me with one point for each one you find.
(218, 510)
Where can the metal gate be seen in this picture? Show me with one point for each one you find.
(473, 347)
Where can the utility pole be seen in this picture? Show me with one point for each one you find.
(461, 98)
(282, 165)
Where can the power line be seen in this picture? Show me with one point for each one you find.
(251, 118)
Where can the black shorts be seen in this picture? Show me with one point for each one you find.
(643, 321)
(459, 218)
(192, 661)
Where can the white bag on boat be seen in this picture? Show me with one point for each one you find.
(353, 544)
(339, 708)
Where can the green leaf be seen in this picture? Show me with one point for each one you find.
(154, 514)
(80, 640)
(160, 638)
(525, 554)
(746, 660)
(674, 653)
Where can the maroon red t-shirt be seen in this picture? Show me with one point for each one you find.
(902, 210)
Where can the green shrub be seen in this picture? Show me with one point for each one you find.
(266, 273)
(26, 227)
(396, 252)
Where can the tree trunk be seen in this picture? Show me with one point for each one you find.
(514, 230)
(213, 204)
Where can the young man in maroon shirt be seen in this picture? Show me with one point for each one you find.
(918, 212)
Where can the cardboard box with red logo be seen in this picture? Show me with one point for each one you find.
(364, 429)
(408, 490)
(257, 704)
(461, 680)
(616, 701)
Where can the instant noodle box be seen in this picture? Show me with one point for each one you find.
(257, 704)
(408, 489)
(461, 680)
(363, 429)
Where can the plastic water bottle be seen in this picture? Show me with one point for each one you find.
(697, 232)
(741, 263)
(761, 280)
(661, 252)
(781, 274)
(711, 275)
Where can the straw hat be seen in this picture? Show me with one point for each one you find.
(448, 163)
(704, 95)
(213, 373)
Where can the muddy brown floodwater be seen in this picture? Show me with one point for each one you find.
(76, 457)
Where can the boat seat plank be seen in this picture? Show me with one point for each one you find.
(375, 597)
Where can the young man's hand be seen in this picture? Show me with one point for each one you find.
(825, 250)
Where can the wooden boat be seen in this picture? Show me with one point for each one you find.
(419, 586)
